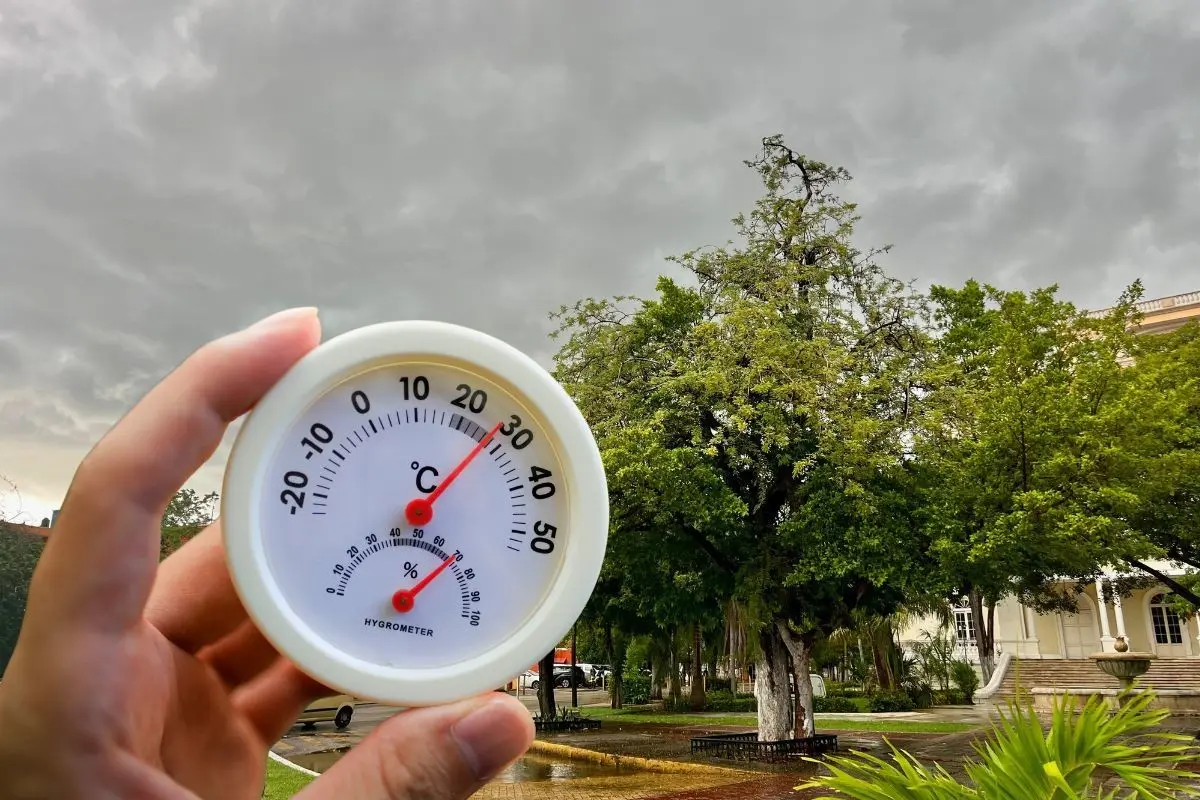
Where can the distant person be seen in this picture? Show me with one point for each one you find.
(135, 680)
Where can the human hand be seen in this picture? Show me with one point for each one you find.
(135, 679)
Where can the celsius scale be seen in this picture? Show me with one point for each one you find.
(415, 513)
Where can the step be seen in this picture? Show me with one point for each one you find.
(1176, 673)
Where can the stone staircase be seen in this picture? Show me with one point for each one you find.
(1164, 674)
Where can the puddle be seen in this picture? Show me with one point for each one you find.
(530, 768)
(533, 768)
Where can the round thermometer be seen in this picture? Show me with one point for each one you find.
(417, 512)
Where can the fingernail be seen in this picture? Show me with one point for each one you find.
(490, 737)
(281, 317)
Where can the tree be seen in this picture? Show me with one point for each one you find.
(1028, 447)
(1163, 385)
(755, 419)
(186, 515)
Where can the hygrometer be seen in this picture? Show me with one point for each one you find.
(416, 512)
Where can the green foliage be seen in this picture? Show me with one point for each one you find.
(1028, 445)
(185, 516)
(839, 705)
(635, 689)
(753, 422)
(966, 680)
(1164, 386)
(19, 554)
(1020, 760)
(885, 702)
(949, 697)
(935, 654)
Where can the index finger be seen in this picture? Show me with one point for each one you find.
(101, 559)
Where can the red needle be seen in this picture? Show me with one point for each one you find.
(420, 510)
(403, 600)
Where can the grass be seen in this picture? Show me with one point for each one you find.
(283, 782)
(630, 717)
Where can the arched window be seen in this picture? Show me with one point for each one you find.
(1167, 627)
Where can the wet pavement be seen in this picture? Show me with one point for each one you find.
(539, 776)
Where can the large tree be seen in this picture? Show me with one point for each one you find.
(755, 414)
(1163, 387)
(1029, 446)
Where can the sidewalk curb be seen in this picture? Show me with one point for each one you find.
(281, 760)
(648, 764)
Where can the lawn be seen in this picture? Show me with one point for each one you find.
(626, 717)
(282, 782)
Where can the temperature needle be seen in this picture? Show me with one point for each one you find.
(403, 600)
(420, 510)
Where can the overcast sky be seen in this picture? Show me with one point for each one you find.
(171, 171)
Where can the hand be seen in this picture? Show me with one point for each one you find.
(134, 679)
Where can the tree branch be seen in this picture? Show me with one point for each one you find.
(704, 544)
(1174, 585)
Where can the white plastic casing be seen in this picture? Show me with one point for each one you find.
(320, 371)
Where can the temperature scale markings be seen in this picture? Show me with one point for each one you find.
(372, 424)
(338, 453)
(494, 449)
(506, 463)
(515, 487)
(357, 436)
(332, 472)
(510, 470)
(351, 442)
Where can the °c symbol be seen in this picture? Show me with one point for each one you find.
(421, 472)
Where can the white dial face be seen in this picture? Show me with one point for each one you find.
(382, 548)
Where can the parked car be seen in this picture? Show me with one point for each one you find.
(338, 709)
(562, 676)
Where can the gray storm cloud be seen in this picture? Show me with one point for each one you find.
(172, 171)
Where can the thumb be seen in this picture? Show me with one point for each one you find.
(442, 753)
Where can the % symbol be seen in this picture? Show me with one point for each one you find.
(410, 569)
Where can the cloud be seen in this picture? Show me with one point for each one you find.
(171, 171)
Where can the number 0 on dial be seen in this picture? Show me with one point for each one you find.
(415, 513)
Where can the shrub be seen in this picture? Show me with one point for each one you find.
(832, 704)
(884, 702)
(635, 690)
(949, 697)
(922, 696)
(1083, 747)
(965, 679)
(720, 685)
(741, 705)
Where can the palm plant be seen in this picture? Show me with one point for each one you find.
(1082, 749)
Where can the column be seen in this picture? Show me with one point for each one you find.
(1120, 612)
(1031, 637)
(1106, 639)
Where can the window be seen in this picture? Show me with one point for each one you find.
(964, 627)
(1167, 628)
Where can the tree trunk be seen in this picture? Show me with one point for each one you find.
(983, 634)
(883, 671)
(697, 698)
(800, 649)
(546, 685)
(771, 688)
(616, 700)
(656, 676)
(674, 692)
